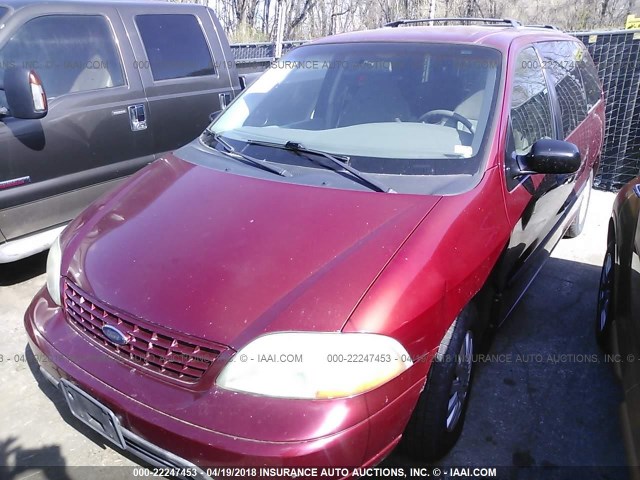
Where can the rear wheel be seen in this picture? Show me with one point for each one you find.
(604, 312)
(438, 418)
(577, 225)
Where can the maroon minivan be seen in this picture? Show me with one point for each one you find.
(306, 283)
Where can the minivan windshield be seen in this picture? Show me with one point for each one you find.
(392, 108)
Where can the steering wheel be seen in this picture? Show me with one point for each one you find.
(449, 114)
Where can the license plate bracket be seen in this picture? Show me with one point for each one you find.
(92, 413)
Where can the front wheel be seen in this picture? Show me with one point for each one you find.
(436, 423)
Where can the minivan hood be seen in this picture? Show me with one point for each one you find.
(227, 257)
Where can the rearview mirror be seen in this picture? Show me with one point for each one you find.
(549, 156)
(25, 94)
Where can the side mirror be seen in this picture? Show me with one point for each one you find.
(25, 94)
(549, 156)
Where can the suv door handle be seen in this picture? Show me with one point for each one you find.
(225, 99)
(137, 117)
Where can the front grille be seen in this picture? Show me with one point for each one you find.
(149, 346)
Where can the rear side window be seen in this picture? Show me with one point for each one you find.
(561, 61)
(589, 74)
(71, 53)
(175, 46)
(530, 109)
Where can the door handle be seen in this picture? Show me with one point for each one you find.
(225, 99)
(137, 117)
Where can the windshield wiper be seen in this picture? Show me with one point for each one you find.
(231, 152)
(337, 160)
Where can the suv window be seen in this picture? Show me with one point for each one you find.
(590, 80)
(393, 108)
(175, 46)
(3, 10)
(531, 117)
(71, 53)
(561, 59)
(418, 113)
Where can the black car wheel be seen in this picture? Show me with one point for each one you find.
(604, 312)
(438, 418)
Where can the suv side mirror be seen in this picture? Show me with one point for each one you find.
(549, 156)
(25, 94)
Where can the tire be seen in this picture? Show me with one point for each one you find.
(577, 225)
(605, 309)
(435, 427)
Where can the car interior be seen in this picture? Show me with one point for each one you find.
(426, 89)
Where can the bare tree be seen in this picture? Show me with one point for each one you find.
(256, 20)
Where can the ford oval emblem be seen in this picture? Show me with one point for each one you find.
(115, 335)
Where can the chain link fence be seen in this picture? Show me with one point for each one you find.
(260, 52)
(256, 57)
(617, 56)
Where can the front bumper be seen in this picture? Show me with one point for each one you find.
(14, 250)
(147, 451)
(167, 425)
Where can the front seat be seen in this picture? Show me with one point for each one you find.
(93, 78)
(377, 99)
(470, 109)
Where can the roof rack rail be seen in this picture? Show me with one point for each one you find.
(507, 21)
(551, 27)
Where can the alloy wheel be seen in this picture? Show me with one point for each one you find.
(460, 386)
(604, 296)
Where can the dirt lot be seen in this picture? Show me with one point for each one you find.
(539, 399)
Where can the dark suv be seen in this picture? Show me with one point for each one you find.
(306, 283)
(125, 82)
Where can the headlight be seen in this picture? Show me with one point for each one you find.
(314, 365)
(54, 261)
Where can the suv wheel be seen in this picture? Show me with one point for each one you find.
(438, 418)
(604, 312)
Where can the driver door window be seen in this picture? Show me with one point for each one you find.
(531, 117)
(71, 53)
